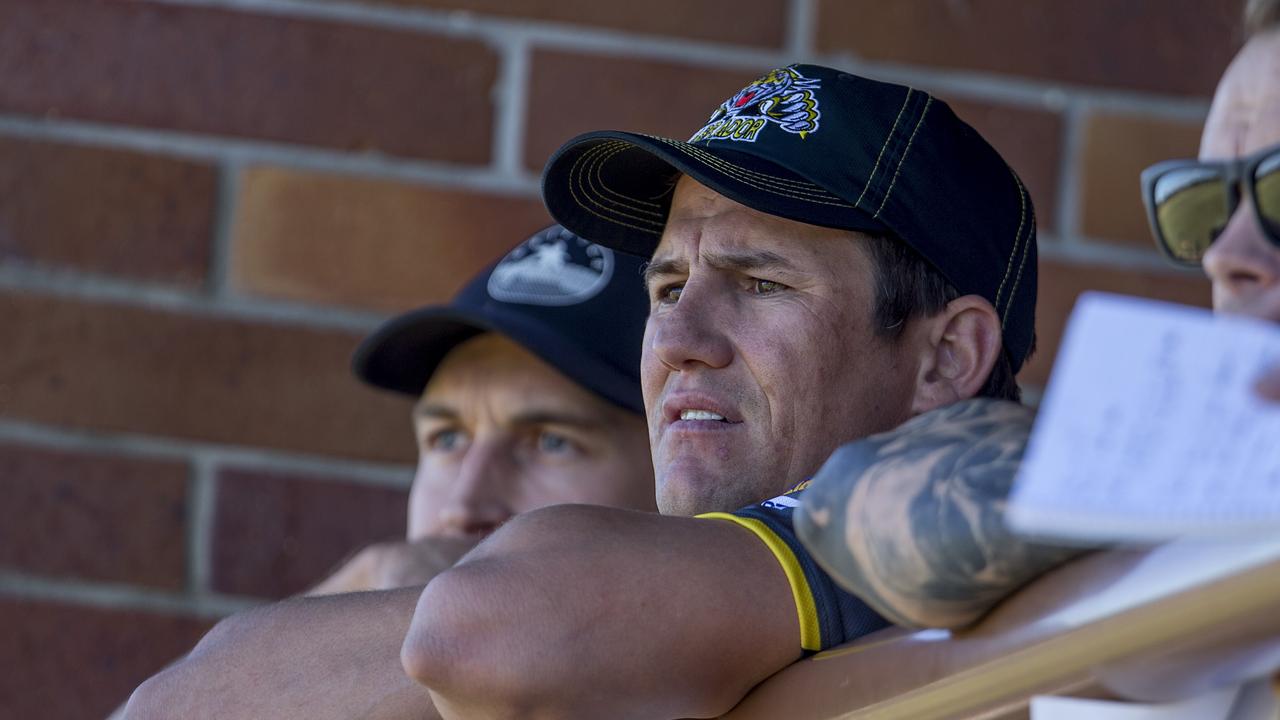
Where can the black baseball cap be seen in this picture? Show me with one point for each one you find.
(576, 305)
(824, 147)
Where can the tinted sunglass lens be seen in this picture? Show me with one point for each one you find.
(1191, 206)
(1266, 186)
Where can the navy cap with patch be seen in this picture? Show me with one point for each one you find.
(824, 147)
(578, 306)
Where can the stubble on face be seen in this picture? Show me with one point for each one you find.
(772, 330)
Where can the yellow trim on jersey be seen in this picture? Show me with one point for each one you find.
(806, 610)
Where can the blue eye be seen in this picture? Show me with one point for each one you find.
(445, 440)
(553, 444)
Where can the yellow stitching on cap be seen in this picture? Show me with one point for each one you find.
(738, 174)
(620, 146)
(903, 159)
(587, 196)
(598, 158)
(729, 168)
(1017, 238)
(1026, 250)
(797, 184)
(581, 197)
(887, 138)
(602, 155)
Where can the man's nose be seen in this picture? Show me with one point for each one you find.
(686, 335)
(479, 498)
(1241, 257)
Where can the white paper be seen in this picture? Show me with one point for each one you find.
(1149, 428)
(1210, 706)
(1168, 570)
(1257, 701)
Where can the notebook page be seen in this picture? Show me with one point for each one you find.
(1149, 429)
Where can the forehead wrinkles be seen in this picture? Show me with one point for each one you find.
(1246, 107)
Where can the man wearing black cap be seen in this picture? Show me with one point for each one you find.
(529, 396)
(831, 256)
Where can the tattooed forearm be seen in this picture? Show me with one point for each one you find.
(912, 520)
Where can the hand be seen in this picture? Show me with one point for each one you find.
(396, 564)
(1267, 387)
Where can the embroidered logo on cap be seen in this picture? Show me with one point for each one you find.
(784, 97)
(552, 268)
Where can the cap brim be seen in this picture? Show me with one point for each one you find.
(404, 352)
(614, 188)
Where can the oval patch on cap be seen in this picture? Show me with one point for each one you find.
(552, 268)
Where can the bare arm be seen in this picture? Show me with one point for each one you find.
(912, 520)
(388, 565)
(329, 657)
(578, 611)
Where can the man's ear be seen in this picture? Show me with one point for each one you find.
(960, 347)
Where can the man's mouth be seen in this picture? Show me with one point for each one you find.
(693, 414)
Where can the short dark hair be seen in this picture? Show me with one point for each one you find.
(1261, 16)
(908, 287)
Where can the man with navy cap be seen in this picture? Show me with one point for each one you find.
(830, 257)
(528, 396)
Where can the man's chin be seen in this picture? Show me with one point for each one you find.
(689, 489)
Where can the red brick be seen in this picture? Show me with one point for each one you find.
(65, 661)
(124, 368)
(373, 243)
(571, 93)
(93, 516)
(260, 76)
(1030, 141)
(1061, 283)
(1117, 148)
(759, 22)
(1165, 46)
(276, 535)
(107, 211)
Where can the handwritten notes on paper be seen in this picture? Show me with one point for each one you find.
(1150, 430)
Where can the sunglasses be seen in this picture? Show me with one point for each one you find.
(1189, 202)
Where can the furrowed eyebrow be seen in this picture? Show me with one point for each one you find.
(738, 261)
(666, 266)
(743, 261)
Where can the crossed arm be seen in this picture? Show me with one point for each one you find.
(578, 611)
(570, 611)
(327, 657)
(912, 520)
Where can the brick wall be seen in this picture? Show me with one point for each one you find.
(204, 204)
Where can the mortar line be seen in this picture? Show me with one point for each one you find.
(801, 23)
(120, 596)
(219, 278)
(1069, 203)
(378, 474)
(201, 511)
(73, 284)
(511, 101)
(222, 149)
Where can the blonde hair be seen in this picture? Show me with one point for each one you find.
(1260, 16)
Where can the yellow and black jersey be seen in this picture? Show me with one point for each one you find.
(828, 614)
